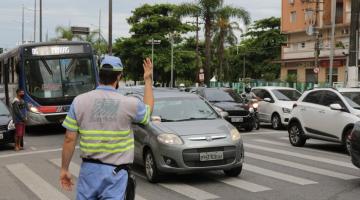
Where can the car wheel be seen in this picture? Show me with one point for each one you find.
(234, 172)
(276, 122)
(347, 142)
(151, 170)
(296, 135)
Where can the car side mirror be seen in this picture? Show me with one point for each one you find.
(156, 119)
(267, 100)
(336, 106)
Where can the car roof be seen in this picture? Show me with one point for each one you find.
(274, 87)
(160, 93)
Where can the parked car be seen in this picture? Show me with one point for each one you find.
(354, 139)
(276, 104)
(7, 127)
(226, 99)
(325, 114)
(186, 135)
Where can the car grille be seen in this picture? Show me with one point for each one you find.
(238, 112)
(192, 156)
(3, 127)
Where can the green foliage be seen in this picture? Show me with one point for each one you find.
(158, 22)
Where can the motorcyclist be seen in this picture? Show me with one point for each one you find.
(248, 95)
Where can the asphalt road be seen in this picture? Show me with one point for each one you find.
(273, 170)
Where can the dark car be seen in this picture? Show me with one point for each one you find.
(7, 127)
(226, 99)
(354, 142)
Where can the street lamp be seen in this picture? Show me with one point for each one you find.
(153, 42)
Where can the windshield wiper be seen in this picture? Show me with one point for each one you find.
(196, 118)
(4, 114)
(168, 120)
(47, 66)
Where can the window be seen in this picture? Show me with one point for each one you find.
(331, 98)
(257, 92)
(1, 72)
(311, 77)
(334, 75)
(313, 97)
(266, 94)
(293, 17)
(339, 12)
(302, 44)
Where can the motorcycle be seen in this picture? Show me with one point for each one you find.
(253, 108)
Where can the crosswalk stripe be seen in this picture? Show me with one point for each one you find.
(245, 185)
(305, 149)
(300, 155)
(42, 189)
(189, 191)
(75, 171)
(278, 175)
(307, 168)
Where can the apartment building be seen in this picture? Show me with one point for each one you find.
(304, 22)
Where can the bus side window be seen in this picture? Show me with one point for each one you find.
(1, 72)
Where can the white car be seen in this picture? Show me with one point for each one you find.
(276, 104)
(325, 114)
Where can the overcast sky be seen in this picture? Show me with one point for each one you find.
(86, 13)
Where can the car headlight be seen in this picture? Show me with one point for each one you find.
(286, 110)
(169, 138)
(255, 105)
(251, 110)
(33, 109)
(218, 109)
(11, 125)
(235, 135)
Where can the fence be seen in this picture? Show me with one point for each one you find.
(239, 86)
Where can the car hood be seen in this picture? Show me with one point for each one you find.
(287, 104)
(196, 127)
(229, 105)
(4, 120)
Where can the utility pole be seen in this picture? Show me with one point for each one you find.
(172, 60)
(197, 43)
(22, 25)
(40, 12)
(332, 42)
(99, 28)
(353, 47)
(110, 27)
(35, 21)
(153, 42)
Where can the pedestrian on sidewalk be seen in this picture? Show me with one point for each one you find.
(102, 118)
(19, 111)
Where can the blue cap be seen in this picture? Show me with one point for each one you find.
(114, 62)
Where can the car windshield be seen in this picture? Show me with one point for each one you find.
(183, 109)
(353, 99)
(3, 110)
(287, 95)
(54, 78)
(217, 95)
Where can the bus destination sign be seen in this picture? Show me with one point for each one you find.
(57, 50)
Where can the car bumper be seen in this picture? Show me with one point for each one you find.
(247, 121)
(285, 118)
(355, 158)
(35, 119)
(7, 137)
(186, 158)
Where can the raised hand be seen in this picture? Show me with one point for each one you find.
(148, 69)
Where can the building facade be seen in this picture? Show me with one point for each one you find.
(307, 23)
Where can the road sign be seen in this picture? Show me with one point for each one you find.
(316, 70)
(80, 30)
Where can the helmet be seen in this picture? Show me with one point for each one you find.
(247, 89)
(111, 63)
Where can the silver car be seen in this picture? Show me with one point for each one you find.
(186, 135)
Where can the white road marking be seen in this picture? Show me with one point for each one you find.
(299, 166)
(75, 171)
(305, 149)
(300, 155)
(32, 152)
(189, 191)
(278, 175)
(245, 185)
(35, 183)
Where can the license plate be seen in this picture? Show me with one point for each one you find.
(207, 156)
(1, 136)
(237, 119)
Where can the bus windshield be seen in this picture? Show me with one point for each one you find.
(61, 77)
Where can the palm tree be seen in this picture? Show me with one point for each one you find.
(205, 10)
(64, 33)
(224, 30)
